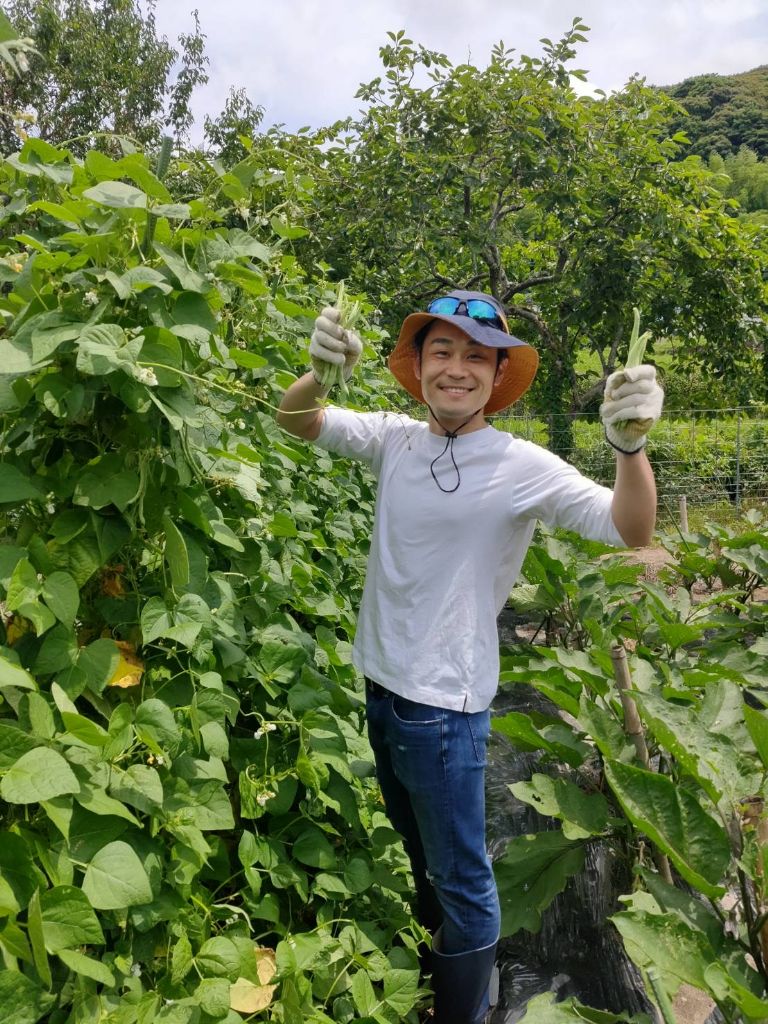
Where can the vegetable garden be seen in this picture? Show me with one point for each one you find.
(192, 829)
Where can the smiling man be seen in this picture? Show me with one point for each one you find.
(456, 508)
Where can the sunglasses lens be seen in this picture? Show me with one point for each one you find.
(445, 306)
(479, 309)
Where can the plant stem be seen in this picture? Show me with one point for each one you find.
(634, 729)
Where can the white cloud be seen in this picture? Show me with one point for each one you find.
(303, 60)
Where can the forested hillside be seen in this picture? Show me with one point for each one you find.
(725, 112)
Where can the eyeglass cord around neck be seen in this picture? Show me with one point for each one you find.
(450, 436)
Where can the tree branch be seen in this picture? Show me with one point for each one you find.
(530, 282)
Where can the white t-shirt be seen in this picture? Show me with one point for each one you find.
(441, 566)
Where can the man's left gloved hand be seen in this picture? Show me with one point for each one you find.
(631, 405)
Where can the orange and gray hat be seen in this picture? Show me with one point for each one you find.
(481, 318)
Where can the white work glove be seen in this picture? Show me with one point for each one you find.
(332, 344)
(631, 405)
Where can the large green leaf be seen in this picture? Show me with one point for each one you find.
(68, 919)
(582, 814)
(710, 758)
(13, 740)
(154, 722)
(189, 279)
(37, 940)
(116, 878)
(675, 821)
(12, 674)
(400, 990)
(22, 1001)
(757, 724)
(118, 195)
(533, 870)
(86, 966)
(40, 774)
(363, 994)
(680, 953)
(725, 986)
(140, 786)
(311, 847)
(230, 956)
(24, 585)
(16, 486)
(551, 735)
(61, 594)
(106, 481)
(545, 1009)
(18, 879)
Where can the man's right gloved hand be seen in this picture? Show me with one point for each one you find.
(332, 345)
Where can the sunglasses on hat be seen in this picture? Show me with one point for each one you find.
(477, 309)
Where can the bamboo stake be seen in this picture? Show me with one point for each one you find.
(634, 729)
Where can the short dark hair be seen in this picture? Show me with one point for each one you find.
(421, 336)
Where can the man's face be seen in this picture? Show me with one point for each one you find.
(457, 374)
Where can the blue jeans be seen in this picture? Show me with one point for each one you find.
(430, 764)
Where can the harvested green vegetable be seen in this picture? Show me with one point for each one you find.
(333, 375)
(637, 345)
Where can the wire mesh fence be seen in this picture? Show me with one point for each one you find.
(713, 462)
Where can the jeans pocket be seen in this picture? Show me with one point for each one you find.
(410, 712)
(479, 725)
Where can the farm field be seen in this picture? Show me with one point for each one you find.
(192, 828)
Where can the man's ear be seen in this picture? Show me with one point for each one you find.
(417, 364)
(501, 369)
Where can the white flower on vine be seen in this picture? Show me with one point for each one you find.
(146, 375)
(136, 970)
(23, 63)
(91, 298)
(262, 798)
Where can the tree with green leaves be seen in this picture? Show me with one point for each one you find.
(569, 210)
(99, 67)
(239, 119)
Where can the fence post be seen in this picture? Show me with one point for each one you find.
(683, 514)
(738, 458)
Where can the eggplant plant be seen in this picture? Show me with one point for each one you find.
(699, 685)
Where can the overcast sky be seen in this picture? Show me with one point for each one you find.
(303, 60)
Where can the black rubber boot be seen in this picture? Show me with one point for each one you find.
(465, 984)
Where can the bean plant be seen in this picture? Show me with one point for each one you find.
(191, 827)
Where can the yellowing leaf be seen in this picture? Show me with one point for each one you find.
(130, 668)
(244, 996)
(16, 629)
(112, 584)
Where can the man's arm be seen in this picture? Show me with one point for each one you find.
(331, 345)
(634, 499)
(299, 412)
(632, 404)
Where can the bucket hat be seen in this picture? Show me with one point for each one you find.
(522, 361)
